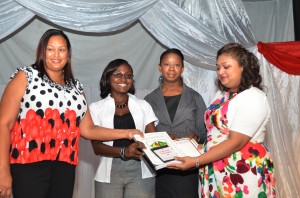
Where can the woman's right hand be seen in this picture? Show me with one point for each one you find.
(187, 163)
(5, 184)
(9, 109)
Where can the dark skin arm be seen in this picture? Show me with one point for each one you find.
(150, 128)
(132, 151)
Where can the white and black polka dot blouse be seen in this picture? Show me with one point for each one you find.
(47, 127)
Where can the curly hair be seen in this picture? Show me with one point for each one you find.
(247, 60)
(105, 88)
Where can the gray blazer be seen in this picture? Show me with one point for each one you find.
(189, 116)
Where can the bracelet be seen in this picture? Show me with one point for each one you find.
(197, 162)
(122, 153)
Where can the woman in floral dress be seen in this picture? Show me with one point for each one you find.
(235, 162)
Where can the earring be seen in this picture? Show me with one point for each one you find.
(160, 79)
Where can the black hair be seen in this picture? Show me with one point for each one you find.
(41, 55)
(167, 52)
(105, 88)
(172, 51)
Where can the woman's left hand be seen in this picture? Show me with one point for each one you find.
(173, 136)
(194, 136)
(187, 163)
(200, 146)
(135, 150)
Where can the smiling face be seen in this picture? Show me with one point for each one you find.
(229, 72)
(171, 67)
(56, 54)
(121, 80)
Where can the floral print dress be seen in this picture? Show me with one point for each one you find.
(246, 173)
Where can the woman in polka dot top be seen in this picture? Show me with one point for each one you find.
(43, 112)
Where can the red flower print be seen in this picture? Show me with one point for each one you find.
(30, 115)
(236, 179)
(246, 190)
(242, 166)
(227, 184)
(218, 165)
(34, 138)
(253, 149)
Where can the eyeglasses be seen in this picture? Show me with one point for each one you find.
(120, 75)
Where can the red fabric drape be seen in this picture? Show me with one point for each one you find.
(284, 55)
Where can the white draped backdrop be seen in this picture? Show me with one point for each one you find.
(138, 31)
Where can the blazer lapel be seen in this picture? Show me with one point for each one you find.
(160, 102)
(183, 103)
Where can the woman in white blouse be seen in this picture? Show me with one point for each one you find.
(235, 162)
(121, 173)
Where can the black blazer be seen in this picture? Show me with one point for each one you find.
(189, 116)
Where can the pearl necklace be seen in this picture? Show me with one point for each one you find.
(122, 105)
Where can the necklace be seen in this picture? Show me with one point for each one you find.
(57, 82)
(122, 105)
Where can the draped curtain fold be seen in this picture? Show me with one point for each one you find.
(89, 17)
(284, 55)
(172, 26)
(12, 17)
(199, 28)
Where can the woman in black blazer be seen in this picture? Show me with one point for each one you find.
(180, 112)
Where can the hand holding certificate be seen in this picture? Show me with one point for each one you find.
(161, 150)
